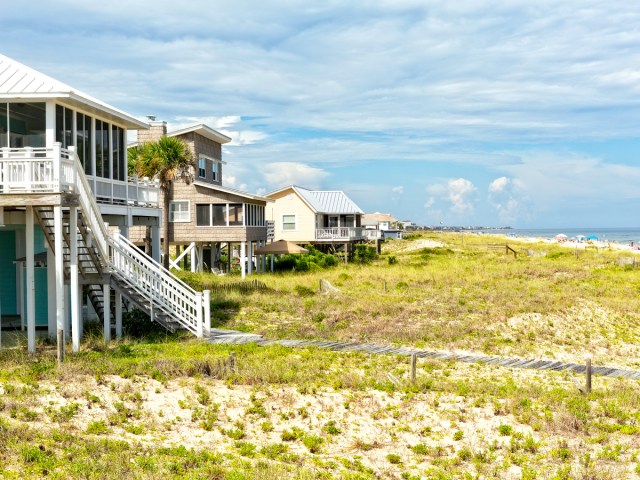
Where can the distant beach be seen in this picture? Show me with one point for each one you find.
(624, 239)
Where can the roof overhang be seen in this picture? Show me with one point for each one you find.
(205, 131)
(232, 191)
(80, 102)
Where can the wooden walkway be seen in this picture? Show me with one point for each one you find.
(219, 336)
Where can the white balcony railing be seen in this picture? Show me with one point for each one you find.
(53, 170)
(339, 233)
(371, 234)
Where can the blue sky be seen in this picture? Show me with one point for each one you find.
(503, 112)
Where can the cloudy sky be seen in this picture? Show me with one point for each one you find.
(504, 112)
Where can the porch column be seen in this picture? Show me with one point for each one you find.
(243, 259)
(194, 257)
(106, 297)
(155, 243)
(229, 250)
(73, 278)
(31, 287)
(212, 261)
(200, 257)
(118, 314)
(51, 292)
(59, 253)
(272, 255)
(250, 245)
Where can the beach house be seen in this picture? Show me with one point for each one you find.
(380, 226)
(66, 208)
(328, 220)
(205, 217)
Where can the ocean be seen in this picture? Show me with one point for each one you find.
(620, 235)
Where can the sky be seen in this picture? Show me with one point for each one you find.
(466, 112)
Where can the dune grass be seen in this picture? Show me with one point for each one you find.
(460, 296)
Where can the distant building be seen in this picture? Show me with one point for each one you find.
(326, 219)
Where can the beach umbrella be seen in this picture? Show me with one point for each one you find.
(592, 237)
(561, 236)
(580, 238)
(280, 247)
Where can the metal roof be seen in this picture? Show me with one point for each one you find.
(17, 81)
(324, 201)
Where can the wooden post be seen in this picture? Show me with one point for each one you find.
(384, 283)
(60, 345)
(588, 372)
(414, 361)
(232, 362)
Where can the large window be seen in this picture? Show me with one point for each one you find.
(235, 214)
(179, 211)
(118, 150)
(288, 222)
(203, 215)
(215, 215)
(64, 126)
(83, 141)
(219, 215)
(22, 125)
(103, 163)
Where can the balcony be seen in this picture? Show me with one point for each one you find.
(339, 234)
(55, 170)
(371, 234)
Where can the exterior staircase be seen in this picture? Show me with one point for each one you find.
(105, 258)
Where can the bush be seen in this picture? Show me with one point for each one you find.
(364, 254)
(137, 324)
(312, 261)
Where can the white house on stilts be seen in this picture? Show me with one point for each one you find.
(66, 206)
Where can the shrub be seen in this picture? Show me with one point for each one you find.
(364, 254)
(391, 260)
(394, 458)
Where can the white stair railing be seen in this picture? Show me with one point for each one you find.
(165, 292)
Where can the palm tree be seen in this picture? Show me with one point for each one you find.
(166, 160)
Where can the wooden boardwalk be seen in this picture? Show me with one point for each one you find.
(220, 336)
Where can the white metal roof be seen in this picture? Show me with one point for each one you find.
(325, 201)
(17, 81)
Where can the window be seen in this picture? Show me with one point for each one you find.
(219, 215)
(288, 222)
(64, 126)
(202, 168)
(83, 141)
(215, 170)
(203, 215)
(119, 147)
(235, 214)
(179, 211)
(22, 125)
(103, 167)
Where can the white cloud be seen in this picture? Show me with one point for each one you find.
(280, 174)
(399, 190)
(457, 196)
(499, 184)
(460, 195)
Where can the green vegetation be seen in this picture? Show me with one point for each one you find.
(160, 407)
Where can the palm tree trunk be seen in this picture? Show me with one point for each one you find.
(165, 229)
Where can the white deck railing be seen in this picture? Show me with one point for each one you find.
(339, 233)
(371, 234)
(52, 170)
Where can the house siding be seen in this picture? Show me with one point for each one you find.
(288, 202)
(187, 232)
